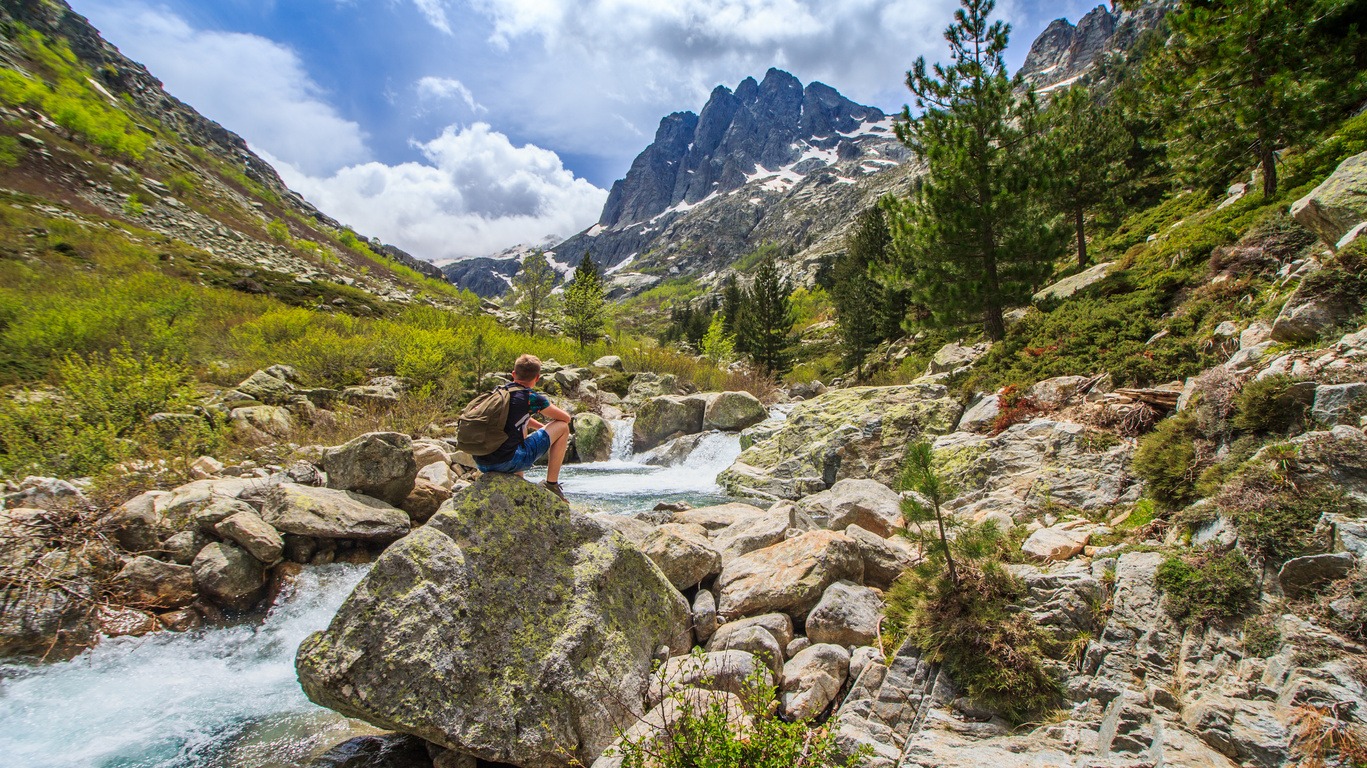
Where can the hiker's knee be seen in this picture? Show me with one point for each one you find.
(558, 430)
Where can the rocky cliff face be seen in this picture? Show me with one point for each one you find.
(195, 182)
(1064, 52)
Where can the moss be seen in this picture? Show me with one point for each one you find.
(1205, 586)
(963, 465)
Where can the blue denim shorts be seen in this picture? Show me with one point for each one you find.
(534, 447)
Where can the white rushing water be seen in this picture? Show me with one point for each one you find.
(228, 696)
(625, 483)
(213, 697)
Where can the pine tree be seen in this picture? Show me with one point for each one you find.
(1087, 148)
(766, 324)
(857, 296)
(1241, 78)
(585, 308)
(974, 239)
(532, 291)
(731, 307)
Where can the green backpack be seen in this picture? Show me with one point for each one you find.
(479, 431)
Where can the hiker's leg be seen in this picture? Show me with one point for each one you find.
(560, 441)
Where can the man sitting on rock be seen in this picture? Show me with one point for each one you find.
(522, 449)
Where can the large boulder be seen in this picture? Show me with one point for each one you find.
(459, 637)
(324, 513)
(714, 671)
(847, 615)
(378, 464)
(1056, 543)
(954, 356)
(733, 411)
(1074, 283)
(752, 639)
(789, 576)
(683, 552)
(884, 558)
(718, 517)
(229, 575)
(756, 532)
(1034, 464)
(592, 437)
(1306, 315)
(812, 679)
(52, 617)
(666, 416)
(866, 503)
(253, 534)
(145, 521)
(149, 583)
(267, 388)
(1338, 204)
(271, 421)
(859, 432)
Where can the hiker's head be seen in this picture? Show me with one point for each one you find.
(527, 369)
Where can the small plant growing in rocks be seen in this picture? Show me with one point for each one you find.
(1205, 586)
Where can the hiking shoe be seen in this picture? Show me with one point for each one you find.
(555, 489)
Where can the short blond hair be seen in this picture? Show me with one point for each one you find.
(527, 368)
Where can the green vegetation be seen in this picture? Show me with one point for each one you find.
(11, 151)
(64, 93)
(1086, 146)
(709, 734)
(974, 239)
(585, 309)
(1166, 461)
(1204, 586)
(1272, 404)
(531, 294)
(865, 310)
(765, 326)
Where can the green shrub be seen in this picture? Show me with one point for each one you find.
(1205, 586)
(714, 737)
(1166, 460)
(11, 151)
(1261, 637)
(133, 206)
(1271, 404)
(278, 231)
(1276, 520)
(614, 381)
(993, 650)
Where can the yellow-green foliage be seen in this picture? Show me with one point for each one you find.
(810, 306)
(1166, 460)
(65, 94)
(97, 415)
(10, 151)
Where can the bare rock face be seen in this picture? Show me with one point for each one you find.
(846, 616)
(683, 553)
(788, 577)
(378, 464)
(1338, 204)
(459, 637)
(230, 576)
(866, 503)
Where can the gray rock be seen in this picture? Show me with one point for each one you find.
(812, 680)
(953, 356)
(720, 516)
(269, 389)
(272, 421)
(666, 416)
(776, 624)
(1071, 285)
(755, 639)
(798, 645)
(981, 415)
(325, 513)
(378, 464)
(884, 558)
(1339, 403)
(1301, 575)
(788, 577)
(733, 411)
(182, 547)
(54, 619)
(714, 671)
(866, 503)
(857, 432)
(1055, 392)
(753, 533)
(230, 576)
(609, 361)
(683, 554)
(424, 501)
(551, 654)
(149, 583)
(592, 437)
(1338, 204)
(254, 535)
(1055, 543)
(674, 452)
(704, 615)
(847, 615)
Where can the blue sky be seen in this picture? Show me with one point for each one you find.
(460, 127)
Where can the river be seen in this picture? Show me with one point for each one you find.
(228, 696)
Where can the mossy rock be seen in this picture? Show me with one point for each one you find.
(459, 637)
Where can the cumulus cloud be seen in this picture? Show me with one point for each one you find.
(447, 88)
(255, 86)
(475, 194)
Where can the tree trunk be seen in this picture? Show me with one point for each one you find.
(944, 542)
(1268, 159)
(1081, 238)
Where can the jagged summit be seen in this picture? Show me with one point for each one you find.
(1063, 52)
(761, 126)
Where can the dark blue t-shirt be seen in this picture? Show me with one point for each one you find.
(522, 403)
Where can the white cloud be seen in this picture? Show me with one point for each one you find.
(435, 13)
(257, 87)
(448, 88)
(476, 194)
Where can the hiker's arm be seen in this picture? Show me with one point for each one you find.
(555, 414)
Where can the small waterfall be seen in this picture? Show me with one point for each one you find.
(622, 440)
(219, 696)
